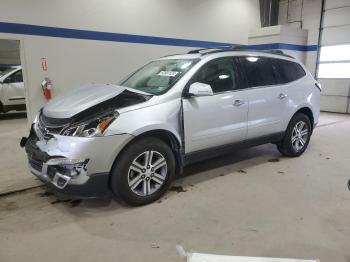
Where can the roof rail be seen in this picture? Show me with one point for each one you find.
(243, 48)
(275, 52)
(218, 48)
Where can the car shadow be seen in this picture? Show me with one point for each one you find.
(13, 115)
(194, 174)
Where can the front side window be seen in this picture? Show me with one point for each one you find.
(159, 76)
(17, 77)
(258, 71)
(219, 74)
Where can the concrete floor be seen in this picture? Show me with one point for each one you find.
(251, 203)
(13, 162)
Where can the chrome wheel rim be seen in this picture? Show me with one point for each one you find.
(147, 173)
(300, 136)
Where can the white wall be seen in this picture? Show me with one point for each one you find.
(9, 52)
(72, 62)
(281, 34)
(305, 14)
(336, 30)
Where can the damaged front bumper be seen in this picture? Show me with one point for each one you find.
(74, 166)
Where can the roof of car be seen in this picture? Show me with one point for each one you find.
(205, 52)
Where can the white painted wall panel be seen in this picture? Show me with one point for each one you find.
(334, 104)
(335, 87)
(336, 3)
(336, 17)
(212, 20)
(336, 35)
(310, 20)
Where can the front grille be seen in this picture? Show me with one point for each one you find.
(36, 164)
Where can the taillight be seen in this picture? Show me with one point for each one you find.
(318, 85)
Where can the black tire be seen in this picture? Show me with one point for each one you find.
(286, 146)
(121, 173)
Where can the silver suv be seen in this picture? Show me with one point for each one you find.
(131, 139)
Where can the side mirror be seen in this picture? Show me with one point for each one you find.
(200, 89)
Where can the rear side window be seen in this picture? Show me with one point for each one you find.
(258, 71)
(287, 71)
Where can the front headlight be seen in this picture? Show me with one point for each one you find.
(92, 127)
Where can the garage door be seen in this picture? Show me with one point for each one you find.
(334, 60)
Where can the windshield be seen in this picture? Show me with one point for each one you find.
(4, 70)
(159, 76)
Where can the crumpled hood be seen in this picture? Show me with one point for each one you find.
(80, 99)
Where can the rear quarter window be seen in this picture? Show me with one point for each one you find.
(287, 71)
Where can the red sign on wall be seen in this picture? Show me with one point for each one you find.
(44, 64)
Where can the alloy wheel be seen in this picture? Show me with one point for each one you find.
(147, 173)
(300, 136)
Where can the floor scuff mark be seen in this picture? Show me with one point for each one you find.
(178, 189)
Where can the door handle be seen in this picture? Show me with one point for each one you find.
(238, 103)
(282, 96)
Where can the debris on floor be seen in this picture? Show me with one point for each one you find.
(200, 257)
(280, 172)
(177, 189)
(242, 171)
(46, 194)
(18, 191)
(273, 160)
(72, 202)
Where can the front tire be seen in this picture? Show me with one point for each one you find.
(297, 136)
(143, 172)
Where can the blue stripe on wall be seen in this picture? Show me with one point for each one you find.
(8, 65)
(25, 29)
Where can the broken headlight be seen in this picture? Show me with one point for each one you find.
(92, 127)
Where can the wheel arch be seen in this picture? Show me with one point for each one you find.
(308, 112)
(167, 137)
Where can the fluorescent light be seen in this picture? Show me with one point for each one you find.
(252, 59)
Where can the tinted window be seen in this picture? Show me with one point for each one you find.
(259, 71)
(16, 77)
(288, 71)
(219, 74)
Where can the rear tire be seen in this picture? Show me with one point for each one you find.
(297, 136)
(143, 172)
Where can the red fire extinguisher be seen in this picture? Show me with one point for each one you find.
(47, 87)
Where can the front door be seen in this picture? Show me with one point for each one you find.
(13, 89)
(220, 119)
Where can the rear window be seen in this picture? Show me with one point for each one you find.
(258, 71)
(287, 71)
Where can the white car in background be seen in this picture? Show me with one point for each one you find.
(12, 90)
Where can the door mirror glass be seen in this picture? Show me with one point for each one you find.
(200, 89)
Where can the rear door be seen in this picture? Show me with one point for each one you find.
(267, 97)
(13, 89)
(212, 121)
